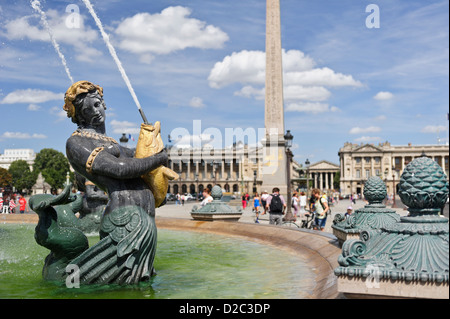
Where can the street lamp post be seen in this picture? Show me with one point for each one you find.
(289, 137)
(394, 205)
(307, 176)
(196, 186)
(214, 167)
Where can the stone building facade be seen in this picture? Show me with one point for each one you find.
(322, 175)
(12, 155)
(358, 162)
(236, 170)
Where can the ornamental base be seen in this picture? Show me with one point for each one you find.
(343, 236)
(369, 288)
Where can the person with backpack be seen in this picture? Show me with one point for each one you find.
(276, 205)
(321, 209)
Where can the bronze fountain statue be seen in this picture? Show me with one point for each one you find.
(136, 182)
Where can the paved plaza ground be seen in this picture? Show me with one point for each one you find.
(179, 211)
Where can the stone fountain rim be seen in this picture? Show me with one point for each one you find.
(321, 249)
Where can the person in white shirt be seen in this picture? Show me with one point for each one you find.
(264, 197)
(207, 198)
(303, 203)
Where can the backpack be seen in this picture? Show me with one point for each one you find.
(276, 206)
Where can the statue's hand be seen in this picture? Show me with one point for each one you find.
(164, 158)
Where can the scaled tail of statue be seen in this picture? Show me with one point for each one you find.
(150, 143)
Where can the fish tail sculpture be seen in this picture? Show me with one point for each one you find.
(150, 143)
(56, 231)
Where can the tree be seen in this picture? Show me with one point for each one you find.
(337, 180)
(22, 177)
(5, 178)
(53, 165)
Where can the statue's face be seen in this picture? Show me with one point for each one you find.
(93, 109)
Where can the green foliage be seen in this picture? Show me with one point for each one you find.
(5, 178)
(53, 165)
(337, 180)
(22, 177)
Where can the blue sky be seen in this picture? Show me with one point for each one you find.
(204, 60)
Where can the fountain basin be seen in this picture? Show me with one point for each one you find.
(321, 250)
(308, 254)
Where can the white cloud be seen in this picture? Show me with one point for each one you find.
(312, 108)
(249, 91)
(120, 127)
(241, 67)
(335, 109)
(33, 107)
(78, 38)
(306, 93)
(366, 139)
(321, 77)
(304, 85)
(31, 96)
(60, 114)
(381, 118)
(384, 96)
(363, 130)
(18, 135)
(169, 31)
(434, 129)
(188, 141)
(196, 102)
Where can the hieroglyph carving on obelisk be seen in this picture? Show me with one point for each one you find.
(274, 105)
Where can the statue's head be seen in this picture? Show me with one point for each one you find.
(84, 104)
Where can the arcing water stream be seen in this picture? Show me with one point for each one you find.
(113, 53)
(37, 7)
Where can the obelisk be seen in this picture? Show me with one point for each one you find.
(274, 105)
(274, 166)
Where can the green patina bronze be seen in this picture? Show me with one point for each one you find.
(372, 217)
(417, 247)
(127, 229)
(58, 230)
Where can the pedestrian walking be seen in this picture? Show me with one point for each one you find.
(276, 205)
(302, 202)
(321, 209)
(22, 204)
(295, 203)
(244, 201)
(264, 197)
(256, 204)
(12, 206)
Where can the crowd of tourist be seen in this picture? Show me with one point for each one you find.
(10, 203)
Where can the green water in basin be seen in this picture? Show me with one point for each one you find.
(189, 265)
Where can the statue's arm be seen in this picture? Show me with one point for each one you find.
(104, 163)
(128, 152)
(126, 168)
